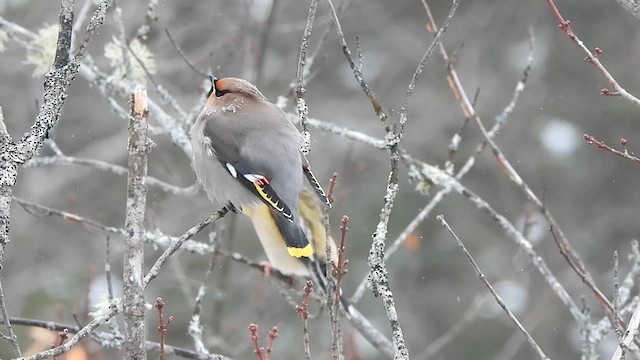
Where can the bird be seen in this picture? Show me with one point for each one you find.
(247, 156)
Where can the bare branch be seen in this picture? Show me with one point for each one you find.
(177, 243)
(416, 75)
(86, 331)
(565, 26)
(303, 313)
(493, 292)
(377, 106)
(338, 270)
(300, 90)
(591, 140)
(183, 55)
(41, 210)
(11, 336)
(102, 339)
(133, 300)
(196, 329)
(105, 166)
(64, 34)
(163, 325)
(629, 335)
(82, 15)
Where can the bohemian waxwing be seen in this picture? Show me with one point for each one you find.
(247, 156)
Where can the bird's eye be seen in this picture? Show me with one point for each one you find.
(220, 92)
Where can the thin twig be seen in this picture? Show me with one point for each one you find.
(104, 338)
(629, 335)
(416, 75)
(591, 140)
(163, 325)
(456, 139)
(273, 335)
(224, 275)
(86, 331)
(183, 55)
(163, 93)
(338, 270)
(373, 99)
(41, 210)
(105, 166)
(196, 329)
(79, 21)
(62, 159)
(107, 268)
(153, 272)
(11, 337)
(260, 351)
(536, 348)
(565, 26)
(303, 312)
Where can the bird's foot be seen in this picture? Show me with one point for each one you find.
(266, 268)
(233, 208)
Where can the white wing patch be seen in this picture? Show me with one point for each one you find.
(253, 177)
(232, 170)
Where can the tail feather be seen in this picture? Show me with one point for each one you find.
(297, 242)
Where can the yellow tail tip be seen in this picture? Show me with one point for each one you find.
(300, 252)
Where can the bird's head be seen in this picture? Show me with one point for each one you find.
(231, 88)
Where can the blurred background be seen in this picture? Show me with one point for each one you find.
(52, 267)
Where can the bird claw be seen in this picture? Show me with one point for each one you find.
(233, 208)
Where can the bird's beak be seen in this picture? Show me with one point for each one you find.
(213, 80)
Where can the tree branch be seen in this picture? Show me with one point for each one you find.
(565, 26)
(133, 299)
